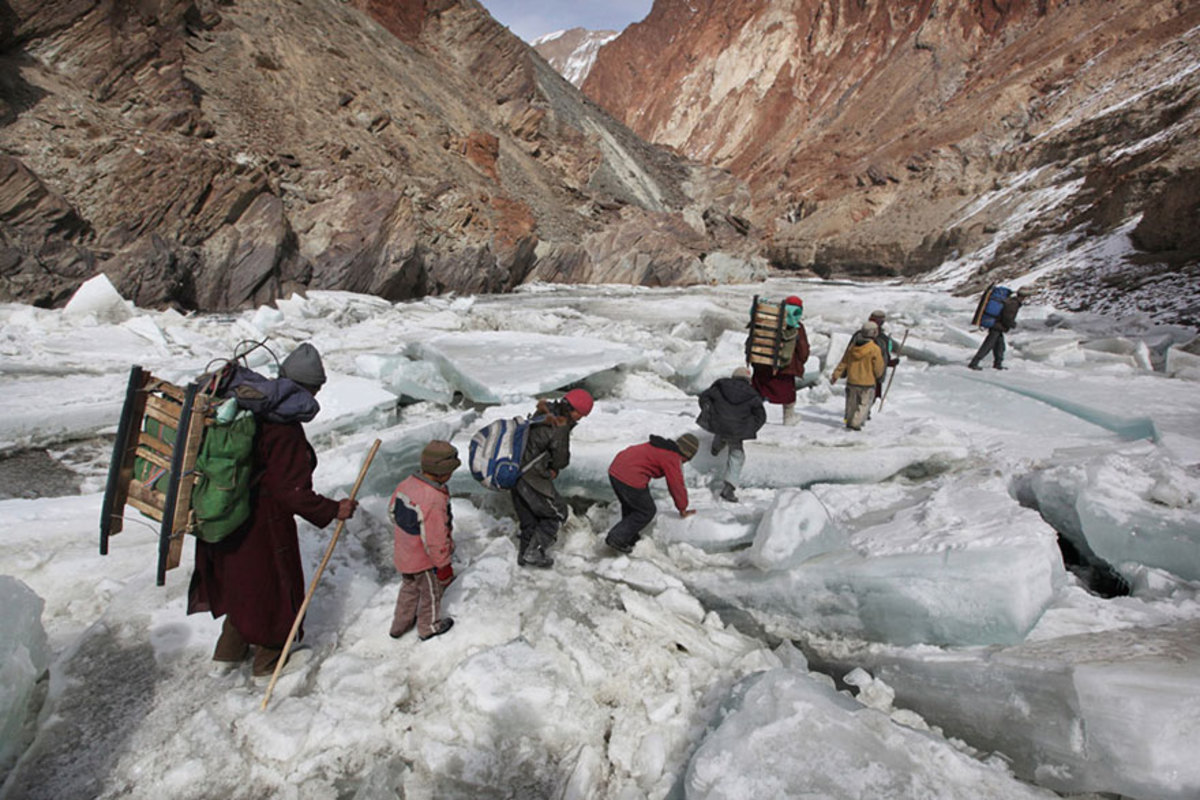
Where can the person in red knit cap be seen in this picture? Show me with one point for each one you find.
(540, 509)
(778, 385)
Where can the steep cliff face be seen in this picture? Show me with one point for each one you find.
(894, 138)
(210, 154)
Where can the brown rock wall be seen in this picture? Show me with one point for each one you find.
(878, 138)
(220, 154)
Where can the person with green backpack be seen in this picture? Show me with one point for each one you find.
(253, 576)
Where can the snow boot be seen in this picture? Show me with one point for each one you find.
(444, 624)
(727, 493)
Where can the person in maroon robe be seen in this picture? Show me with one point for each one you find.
(254, 578)
(778, 386)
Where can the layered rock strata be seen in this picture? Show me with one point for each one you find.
(212, 154)
(988, 139)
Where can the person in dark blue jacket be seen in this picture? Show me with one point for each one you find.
(732, 411)
(994, 341)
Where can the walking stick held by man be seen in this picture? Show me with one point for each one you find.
(362, 473)
(892, 377)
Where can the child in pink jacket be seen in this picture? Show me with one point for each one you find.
(420, 508)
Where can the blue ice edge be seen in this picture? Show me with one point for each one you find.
(1131, 428)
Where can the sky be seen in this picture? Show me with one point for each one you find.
(530, 19)
(915, 561)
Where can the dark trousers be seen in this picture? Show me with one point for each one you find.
(992, 343)
(536, 529)
(637, 510)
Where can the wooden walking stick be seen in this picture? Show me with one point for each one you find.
(892, 377)
(362, 473)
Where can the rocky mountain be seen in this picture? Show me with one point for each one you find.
(573, 52)
(979, 140)
(214, 153)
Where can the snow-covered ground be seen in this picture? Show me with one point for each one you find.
(885, 614)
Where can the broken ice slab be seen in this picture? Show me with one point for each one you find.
(83, 406)
(502, 366)
(1121, 350)
(415, 380)
(24, 656)
(712, 530)
(935, 352)
(1183, 361)
(96, 298)
(793, 732)
(965, 566)
(1055, 349)
(1126, 508)
(1114, 711)
(350, 403)
(795, 528)
(398, 457)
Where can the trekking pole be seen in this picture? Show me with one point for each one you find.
(362, 473)
(892, 377)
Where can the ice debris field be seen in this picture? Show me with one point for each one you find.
(992, 591)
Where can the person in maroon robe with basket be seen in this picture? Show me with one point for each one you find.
(254, 577)
(777, 384)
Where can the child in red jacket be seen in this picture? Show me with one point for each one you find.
(630, 475)
(420, 508)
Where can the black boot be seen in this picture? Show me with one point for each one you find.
(727, 493)
(444, 624)
(615, 545)
(535, 556)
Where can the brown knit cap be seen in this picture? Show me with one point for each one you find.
(688, 445)
(439, 458)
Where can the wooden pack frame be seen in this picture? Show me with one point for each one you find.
(770, 343)
(150, 405)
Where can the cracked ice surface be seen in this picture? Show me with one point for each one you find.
(914, 561)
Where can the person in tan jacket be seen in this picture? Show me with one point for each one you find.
(863, 365)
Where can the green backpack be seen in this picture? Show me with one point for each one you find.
(221, 493)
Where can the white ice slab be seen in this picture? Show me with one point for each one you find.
(964, 566)
(24, 656)
(785, 733)
(500, 366)
(1116, 711)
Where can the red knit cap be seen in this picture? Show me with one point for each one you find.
(580, 400)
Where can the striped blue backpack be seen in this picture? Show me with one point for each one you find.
(494, 454)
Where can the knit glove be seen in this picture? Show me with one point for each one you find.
(445, 575)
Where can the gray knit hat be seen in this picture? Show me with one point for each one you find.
(303, 365)
(741, 372)
(688, 444)
(870, 329)
(439, 458)
(878, 314)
